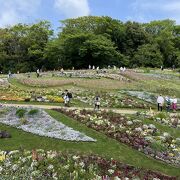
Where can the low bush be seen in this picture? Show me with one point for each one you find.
(33, 112)
(20, 113)
(161, 115)
(23, 121)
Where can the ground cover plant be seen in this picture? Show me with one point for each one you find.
(40, 123)
(63, 165)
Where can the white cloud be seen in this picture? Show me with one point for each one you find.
(73, 8)
(167, 8)
(16, 11)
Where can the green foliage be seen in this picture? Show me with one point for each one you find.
(148, 56)
(161, 115)
(23, 121)
(98, 41)
(157, 146)
(20, 113)
(3, 111)
(33, 112)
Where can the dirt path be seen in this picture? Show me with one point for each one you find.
(120, 111)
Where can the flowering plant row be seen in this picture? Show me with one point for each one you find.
(56, 165)
(163, 118)
(132, 131)
(112, 100)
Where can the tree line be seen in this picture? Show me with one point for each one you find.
(99, 41)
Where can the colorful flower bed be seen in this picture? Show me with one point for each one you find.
(38, 122)
(131, 131)
(111, 100)
(163, 118)
(40, 164)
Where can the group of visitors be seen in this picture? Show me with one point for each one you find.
(170, 103)
(92, 67)
(122, 69)
(67, 96)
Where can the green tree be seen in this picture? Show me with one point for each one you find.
(148, 55)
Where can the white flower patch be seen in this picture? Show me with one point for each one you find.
(4, 82)
(43, 124)
(148, 97)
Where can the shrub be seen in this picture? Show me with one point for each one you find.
(33, 112)
(161, 115)
(23, 121)
(157, 146)
(147, 70)
(27, 99)
(20, 113)
(3, 111)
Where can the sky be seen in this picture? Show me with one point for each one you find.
(30, 11)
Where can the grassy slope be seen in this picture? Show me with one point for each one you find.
(104, 146)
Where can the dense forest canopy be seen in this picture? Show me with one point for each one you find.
(99, 41)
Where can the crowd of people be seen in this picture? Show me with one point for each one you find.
(169, 103)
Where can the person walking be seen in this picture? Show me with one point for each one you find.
(160, 102)
(97, 103)
(37, 72)
(66, 98)
(174, 104)
(168, 103)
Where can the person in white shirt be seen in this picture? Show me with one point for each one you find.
(160, 102)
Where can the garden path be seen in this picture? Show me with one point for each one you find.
(119, 111)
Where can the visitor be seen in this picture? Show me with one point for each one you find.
(89, 66)
(62, 71)
(9, 74)
(121, 69)
(162, 68)
(168, 103)
(124, 69)
(97, 103)
(174, 104)
(173, 67)
(69, 96)
(97, 69)
(93, 67)
(66, 98)
(160, 102)
(37, 72)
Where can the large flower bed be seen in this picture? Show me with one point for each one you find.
(112, 100)
(145, 138)
(40, 164)
(40, 123)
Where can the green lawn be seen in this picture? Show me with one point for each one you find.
(104, 146)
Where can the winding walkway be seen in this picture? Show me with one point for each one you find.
(119, 111)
